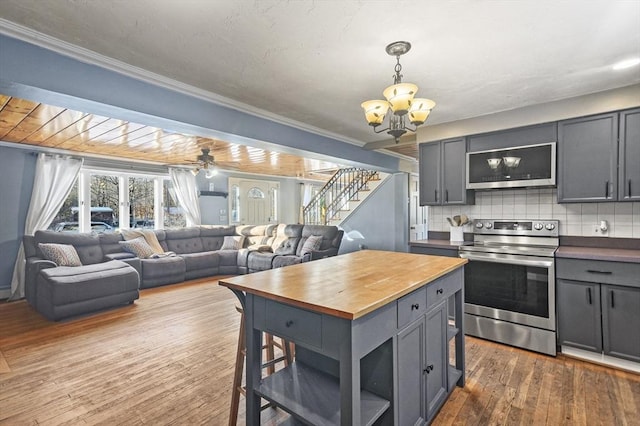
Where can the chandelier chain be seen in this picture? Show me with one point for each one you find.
(397, 78)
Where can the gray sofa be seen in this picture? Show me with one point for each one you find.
(110, 276)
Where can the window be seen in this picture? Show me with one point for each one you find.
(116, 199)
(141, 200)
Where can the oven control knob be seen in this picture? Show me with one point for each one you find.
(550, 226)
(488, 225)
(479, 225)
(537, 226)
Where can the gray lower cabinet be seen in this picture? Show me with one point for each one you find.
(579, 315)
(621, 321)
(598, 304)
(423, 367)
(442, 173)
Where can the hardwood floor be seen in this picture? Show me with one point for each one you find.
(168, 360)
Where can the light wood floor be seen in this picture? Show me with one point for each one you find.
(168, 360)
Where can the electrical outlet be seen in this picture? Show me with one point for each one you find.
(596, 231)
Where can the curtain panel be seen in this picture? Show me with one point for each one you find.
(54, 179)
(184, 183)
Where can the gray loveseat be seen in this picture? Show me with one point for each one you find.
(109, 276)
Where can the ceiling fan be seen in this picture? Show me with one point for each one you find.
(207, 162)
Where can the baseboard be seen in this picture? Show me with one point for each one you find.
(5, 293)
(600, 358)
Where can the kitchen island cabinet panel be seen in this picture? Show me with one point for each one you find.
(346, 372)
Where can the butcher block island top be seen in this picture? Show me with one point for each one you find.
(348, 286)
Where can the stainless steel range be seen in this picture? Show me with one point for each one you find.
(510, 283)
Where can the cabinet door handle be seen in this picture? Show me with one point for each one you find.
(589, 296)
(606, 189)
(629, 187)
(439, 291)
(595, 271)
(613, 303)
(428, 369)
(415, 306)
(446, 195)
(435, 194)
(288, 323)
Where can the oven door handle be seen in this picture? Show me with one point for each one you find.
(510, 259)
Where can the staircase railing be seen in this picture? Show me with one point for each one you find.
(336, 194)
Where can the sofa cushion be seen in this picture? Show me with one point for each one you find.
(260, 261)
(65, 285)
(286, 239)
(184, 240)
(212, 236)
(280, 261)
(139, 247)
(311, 244)
(87, 245)
(60, 254)
(232, 242)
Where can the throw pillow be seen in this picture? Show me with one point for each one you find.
(60, 254)
(149, 236)
(232, 242)
(138, 246)
(312, 244)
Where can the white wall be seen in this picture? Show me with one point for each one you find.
(576, 219)
(611, 100)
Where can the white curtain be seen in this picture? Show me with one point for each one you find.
(184, 183)
(54, 179)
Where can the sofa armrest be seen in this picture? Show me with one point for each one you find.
(321, 254)
(32, 267)
(120, 256)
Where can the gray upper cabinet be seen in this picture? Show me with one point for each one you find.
(442, 173)
(629, 170)
(587, 159)
(530, 135)
(429, 173)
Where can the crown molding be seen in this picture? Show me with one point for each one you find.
(87, 56)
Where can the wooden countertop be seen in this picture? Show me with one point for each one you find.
(598, 253)
(347, 286)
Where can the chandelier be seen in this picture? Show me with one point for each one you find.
(400, 98)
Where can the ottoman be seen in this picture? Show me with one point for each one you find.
(68, 291)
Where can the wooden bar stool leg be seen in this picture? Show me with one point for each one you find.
(237, 376)
(270, 354)
(269, 364)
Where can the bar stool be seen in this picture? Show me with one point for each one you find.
(271, 361)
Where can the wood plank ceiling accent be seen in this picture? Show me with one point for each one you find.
(32, 123)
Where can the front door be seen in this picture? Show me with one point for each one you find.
(257, 202)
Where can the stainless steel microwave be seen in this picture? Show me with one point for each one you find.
(521, 166)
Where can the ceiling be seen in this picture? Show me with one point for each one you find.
(314, 62)
(32, 123)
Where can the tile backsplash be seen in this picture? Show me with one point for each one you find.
(576, 219)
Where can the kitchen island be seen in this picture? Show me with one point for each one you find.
(371, 330)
